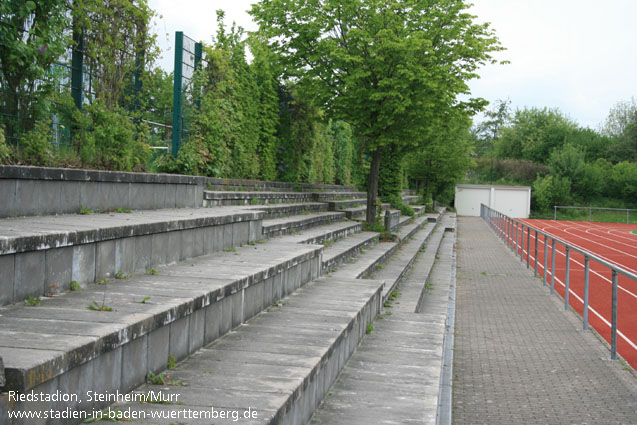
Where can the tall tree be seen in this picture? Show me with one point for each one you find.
(381, 65)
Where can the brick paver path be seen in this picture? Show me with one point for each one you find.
(519, 357)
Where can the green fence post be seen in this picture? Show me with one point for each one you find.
(77, 65)
(178, 74)
(198, 56)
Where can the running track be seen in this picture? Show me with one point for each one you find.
(611, 242)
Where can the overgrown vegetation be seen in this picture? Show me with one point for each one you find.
(564, 163)
(354, 95)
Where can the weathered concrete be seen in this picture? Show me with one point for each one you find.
(43, 255)
(282, 362)
(394, 375)
(519, 357)
(336, 254)
(179, 296)
(298, 223)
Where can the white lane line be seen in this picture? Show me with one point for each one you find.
(624, 266)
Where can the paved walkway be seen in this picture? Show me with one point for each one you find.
(519, 357)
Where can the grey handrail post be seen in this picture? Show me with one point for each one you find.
(567, 276)
(522, 242)
(586, 272)
(553, 266)
(517, 238)
(554, 213)
(528, 247)
(546, 252)
(535, 262)
(613, 332)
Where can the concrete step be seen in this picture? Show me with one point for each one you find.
(363, 265)
(424, 242)
(285, 210)
(344, 249)
(338, 205)
(255, 197)
(324, 233)
(360, 213)
(410, 199)
(60, 344)
(338, 196)
(395, 374)
(298, 223)
(43, 255)
(279, 365)
(219, 198)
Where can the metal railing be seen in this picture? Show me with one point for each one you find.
(512, 232)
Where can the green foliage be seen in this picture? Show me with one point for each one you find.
(95, 306)
(533, 134)
(32, 39)
(505, 171)
(109, 141)
(35, 145)
(5, 151)
(549, 191)
(384, 69)
(443, 158)
(32, 302)
(624, 180)
(343, 144)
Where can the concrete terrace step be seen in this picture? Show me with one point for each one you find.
(284, 210)
(359, 213)
(297, 223)
(341, 204)
(344, 249)
(281, 363)
(410, 199)
(427, 240)
(218, 198)
(363, 265)
(61, 344)
(335, 196)
(395, 374)
(325, 232)
(43, 255)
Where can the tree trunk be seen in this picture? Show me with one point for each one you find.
(372, 187)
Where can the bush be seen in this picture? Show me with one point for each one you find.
(112, 141)
(35, 146)
(549, 191)
(5, 151)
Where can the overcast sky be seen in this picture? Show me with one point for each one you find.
(575, 55)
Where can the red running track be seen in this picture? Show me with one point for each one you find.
(612, 242)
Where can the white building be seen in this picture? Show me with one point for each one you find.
(514, 201)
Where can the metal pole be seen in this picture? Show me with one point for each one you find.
(528, 247)
(613, 332)
(586, 271)
(177, 95)
(535, 262)
(546, 252)
(555, 213)
(567, 277)
(553, 266)
(521, 242)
